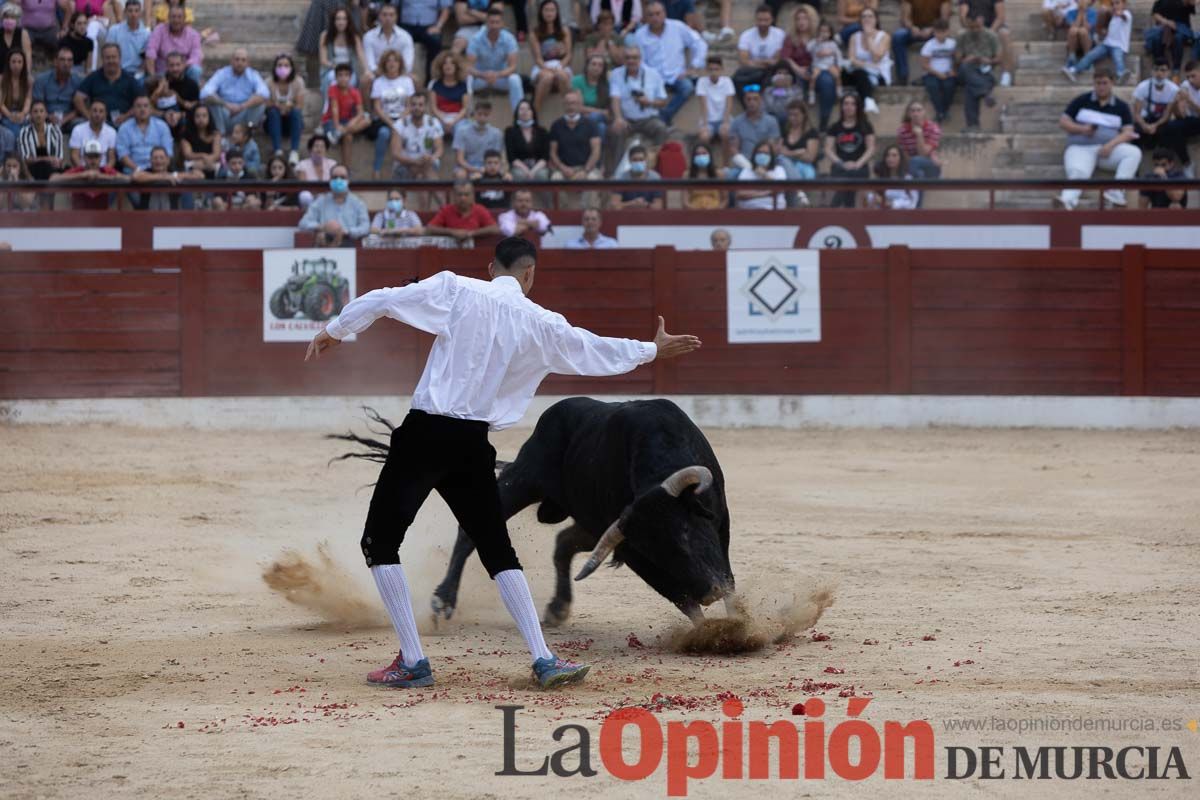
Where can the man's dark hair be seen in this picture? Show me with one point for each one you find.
(1191, 66)
(1161, 62)
(490, 154)
(1164, 154)
(510, 252)
(343, 67)
(495, 10)
(636, 150)
(234, 153)
(764, 9)
(1103, 72)
(318, 137)
(941, 24)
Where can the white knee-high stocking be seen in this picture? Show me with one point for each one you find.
(514, 591)
(393, 588)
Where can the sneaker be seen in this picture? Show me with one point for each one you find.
(1115, 197)
(1061, 200)
(1070, 73)
(710, 37)
(333, 138)
(294, 158)
(399, 676)
(726, 34)
(870, 106)
(553, 672)
(1006, 79)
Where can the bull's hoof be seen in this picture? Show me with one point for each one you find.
(441, 608)
(556, 614)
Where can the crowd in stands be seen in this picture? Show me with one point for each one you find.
(127, 96)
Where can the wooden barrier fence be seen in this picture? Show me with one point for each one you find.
(895, 321)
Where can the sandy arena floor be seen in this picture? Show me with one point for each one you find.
(1019, 574)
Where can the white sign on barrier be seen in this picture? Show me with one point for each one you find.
(773, 295)
(304, 289)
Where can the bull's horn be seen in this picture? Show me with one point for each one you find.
(700, 477)
(611, 538)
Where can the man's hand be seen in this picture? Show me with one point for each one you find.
(322, 342)
(670, 346)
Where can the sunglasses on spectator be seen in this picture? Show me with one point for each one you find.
(752, 87)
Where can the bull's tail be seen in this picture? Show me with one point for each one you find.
(375, 449)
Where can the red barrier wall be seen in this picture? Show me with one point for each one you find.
(189, 323)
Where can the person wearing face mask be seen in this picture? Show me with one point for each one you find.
(393, 222)
(527, 145)
(1152, 101)
(13, 36)
(703, 168)
(337, 218)
(765, 169)
(639, 170)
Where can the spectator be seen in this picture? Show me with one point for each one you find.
(423, 21)
(13, 171)
(492, 59)
(175, 36)
(100, 16)
(764, 169)
(110, 84)
(520, 15)
(16, 94)
(1171, 30)
(56, 88)
(12, 35)
(917, 18)
(41, 144)
(1186, 124)
(758, 50)
(175, 94)
(639, 170)
(870, 60)
(637, 94)
(796, 53)
(340, 43)
(344, 112)
(236, 93)
(800, 143)
(703, 168)
(318, 167)
(384, 37)
(849, 146)
(389, 97)
(940, 78)
(90, 168)
(781, 93)
(1079, 35)
(470, 16)
(40, 20)
(1153, 101)
(472, 140)
(464, 219)
(1099, 130)
(527, 145)
(278, 171)
(627, 14)
(849, 17)
(316, 20)
(235, 171)
(993, 14)
(592, 86)
(240, 139)
(725, 10)
(670, 47)
(893, 165)
(418, 151)
(550, 45)
(720, 239)
(918, 138)
(493, 175)
(449, 90)
(337, 218)
(751, 128)
(201, 143)
(1058, 14)
(77, 41)
(141, 134)
(604, 41)
(132, 36)
(591, 238)
(717, 91)
(1114, 46)
(1166, 167)
(522, 219)
(827, 56)
(395, 220)
(977, 52)
(95, 129)
(160, 172)
(285, 107)
(574, 143)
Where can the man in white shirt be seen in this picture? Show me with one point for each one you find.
(493, 347)
(1114, 46)
(96, 129)
(666, 45)
(387, 35)
(1153, 100)
(758, 50)
(523, 219)
(591, 238)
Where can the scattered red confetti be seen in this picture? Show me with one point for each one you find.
(820, 637)
(835, 670)
(964, 661)
(870, 641)
(178, 724)
(929, 637)
(635, 642)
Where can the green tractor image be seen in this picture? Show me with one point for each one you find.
(315, 289)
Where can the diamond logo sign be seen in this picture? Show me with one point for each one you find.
(773, 296)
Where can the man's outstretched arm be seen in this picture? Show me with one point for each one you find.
(577, 351)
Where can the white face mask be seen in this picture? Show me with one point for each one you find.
(572, 118)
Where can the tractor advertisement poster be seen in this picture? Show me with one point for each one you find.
(304, 289)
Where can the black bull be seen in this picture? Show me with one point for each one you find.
(639, 481)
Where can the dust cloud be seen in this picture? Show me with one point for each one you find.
(748, 628)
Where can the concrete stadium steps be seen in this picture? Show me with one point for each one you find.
(264, 27)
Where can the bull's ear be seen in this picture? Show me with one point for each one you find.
(697, 506)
